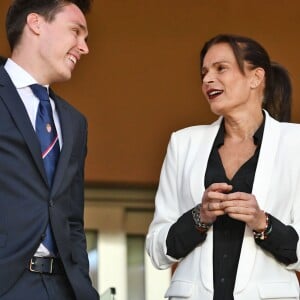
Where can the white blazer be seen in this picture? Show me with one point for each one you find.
(277, 189)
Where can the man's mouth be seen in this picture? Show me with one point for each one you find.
(72, 58)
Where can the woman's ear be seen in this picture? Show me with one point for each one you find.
(258, 77)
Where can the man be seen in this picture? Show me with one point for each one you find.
(2, 60)
(42, 241)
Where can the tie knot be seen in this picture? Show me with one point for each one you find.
(40, 92)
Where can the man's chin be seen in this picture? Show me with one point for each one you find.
(63, 77)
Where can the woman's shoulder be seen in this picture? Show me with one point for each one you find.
(290, 136)
(290, 128)
(287, 129)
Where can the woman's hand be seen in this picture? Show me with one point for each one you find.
(244, 207)
(211, 200)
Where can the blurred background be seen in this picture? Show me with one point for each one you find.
(140, 83)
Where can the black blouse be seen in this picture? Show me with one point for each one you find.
(228, 233)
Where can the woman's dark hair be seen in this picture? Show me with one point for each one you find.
(281, 92)
(278, 88)
(20, 9)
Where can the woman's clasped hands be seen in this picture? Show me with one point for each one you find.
(218, 200)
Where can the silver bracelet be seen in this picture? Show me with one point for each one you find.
(202, 227)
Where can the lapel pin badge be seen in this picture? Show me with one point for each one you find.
(48, 127)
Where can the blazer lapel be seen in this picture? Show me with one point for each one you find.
(18, 112)
(67, 137)
(261, 185)
(203, 144)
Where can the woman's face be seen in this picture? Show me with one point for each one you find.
(223, 84)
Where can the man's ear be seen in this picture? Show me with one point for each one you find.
(34, 22)
(258, 77)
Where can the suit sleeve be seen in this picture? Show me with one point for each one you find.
(77, 212)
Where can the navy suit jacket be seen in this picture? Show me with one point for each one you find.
(26, 200)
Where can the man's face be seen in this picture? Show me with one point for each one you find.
(61, 44)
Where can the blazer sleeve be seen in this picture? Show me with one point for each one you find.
(166, 210)
(180, 189)
(183, 237)
(281, 242)
(295, 222)
(292, 160)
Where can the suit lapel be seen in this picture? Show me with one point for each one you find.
(261, 186)
(67, 137)
(18, 112)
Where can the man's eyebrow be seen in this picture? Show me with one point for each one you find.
(82, 27)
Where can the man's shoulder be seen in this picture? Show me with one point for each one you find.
(61, 102)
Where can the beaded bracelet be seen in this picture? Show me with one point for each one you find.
(200, 226)
(262, 235)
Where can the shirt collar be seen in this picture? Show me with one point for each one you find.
(18, 75)
(257, 137)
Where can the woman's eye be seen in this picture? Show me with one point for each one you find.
(221, 68)
(203, 73)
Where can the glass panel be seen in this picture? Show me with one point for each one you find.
(91, 240)
(135, 267)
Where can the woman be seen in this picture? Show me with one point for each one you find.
(228, 202)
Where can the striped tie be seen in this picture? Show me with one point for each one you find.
(46, 132)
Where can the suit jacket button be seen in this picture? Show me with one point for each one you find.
(51, 204)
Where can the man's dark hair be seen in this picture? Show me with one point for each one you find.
(2, 60)
(20, 9)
